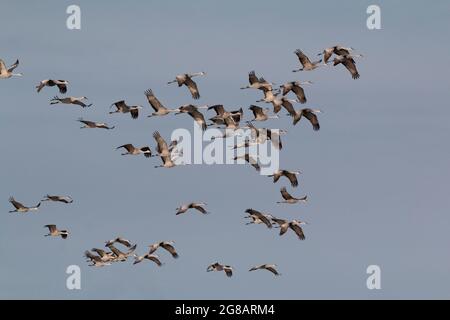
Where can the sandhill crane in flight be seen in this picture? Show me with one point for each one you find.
(309, 114)
(162, 148)
(160, 109)
(288, 198)
(61, 84)
(104, 256)
(219, 267)
(151, 257)
(261, 114)
(166, 245)
(258, 218)
(132, 150)
(92, 125)
(269, 95)
(54, 232)
(96, 261)
(21, 208)
(307, 65)
(260, 135)
(295, 87)
(229, 119)
(167, 162)
(250, 159)
(164, 151)
(234, 117)
(186, 79)
(122, 107)
(119, 255)
(71, 100)
(257, 83)
(122, 241)
(63, 199)
(199, 206)
(247, 143)
(337, 50)
(277, 101)
(294, 225)
(268, 267)
(221, 113)
(6, 73)
(349, 63)
(291, 175)
(195, 114)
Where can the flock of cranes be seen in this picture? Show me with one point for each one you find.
(168, 152)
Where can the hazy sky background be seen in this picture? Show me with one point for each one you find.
(377, 173)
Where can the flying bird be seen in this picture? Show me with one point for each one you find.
(250, 159)
(104, 256)
(71, 100)
(337, 50)
(122, 107)
(349, 63)
(186, 79)
(162, 148)
(257, 83)
(64, 199)
(92, 125)
(269, 95)
(166, 245)
(278, 101)
(166, 152)
(6, 73)
(122, 241)
(193, 205)
(119, 255)
(219, 267)
(160, 109)
(291, 175)
(167, 162)
(309, 114)
(258, 218)
(268, 267)
(294, 225)
(132, 150)
(61, 84)
(195, 114)
(261, 114)
(261, 135)
(151, 257)
(21, 208)
(296, 88)
(96, 261)
(221, 113)
(54, 232)
(289, 198)
(307, 65)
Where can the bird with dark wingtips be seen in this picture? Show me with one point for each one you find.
(54, 232)
(61, 84)
(19, 207)
(219, 267)
(186, 79)
(122, 107)
(268, 267)
(288, 198)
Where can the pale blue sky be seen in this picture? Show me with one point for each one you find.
(377, 173)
